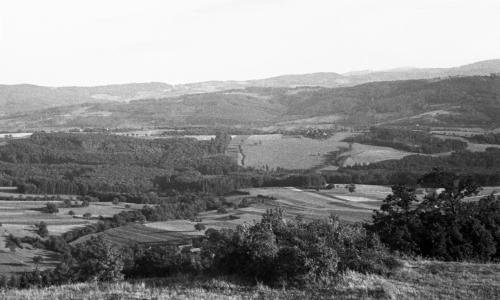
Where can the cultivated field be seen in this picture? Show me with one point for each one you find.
(309, 204)
(138, 234)
(19, 218)
(21, 259)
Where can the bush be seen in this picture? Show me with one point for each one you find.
(199, 226)
(42, 229)
(222, 210)
(51, 208)
(96, 259)
(274, 251)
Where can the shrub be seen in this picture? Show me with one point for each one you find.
(96, 259)
(51, 208)
(274, 251)
(42, 229)
(199, 226)
(222, 210)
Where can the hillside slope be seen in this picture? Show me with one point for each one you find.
(458, 101)
(417, 280)
(25, 97)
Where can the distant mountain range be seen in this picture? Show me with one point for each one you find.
(465, 101)
(24, 97)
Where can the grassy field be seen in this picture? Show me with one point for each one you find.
(297, 152)
(21, 260)
(19, 218)
(290, 152)
(137, 233)
(309, 204)
(419, 279)
(367, 154)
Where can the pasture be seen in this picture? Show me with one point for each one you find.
(366, 154)
(297, 152)
(289, 152)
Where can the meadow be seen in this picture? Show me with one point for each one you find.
(289, 152)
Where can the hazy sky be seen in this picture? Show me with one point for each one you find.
(89, 42)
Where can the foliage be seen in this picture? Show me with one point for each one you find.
(276, 251)
(51, 208)
(489, 138)
(41, 229)
(408, 140)
(96, 259)
(444, 225)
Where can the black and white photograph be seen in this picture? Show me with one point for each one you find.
(249, 149)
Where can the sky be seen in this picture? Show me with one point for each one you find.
(95, 42)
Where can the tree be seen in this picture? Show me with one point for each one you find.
(37, 260)
(97, 259)
(199, 226)
(116, 201)
(87, 215)
(443, 225)
(222, 210)
(42, 229)
(71, 213)
(351, 188)
(12, 243)
(51, 208)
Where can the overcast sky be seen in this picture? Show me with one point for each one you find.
(90, 42)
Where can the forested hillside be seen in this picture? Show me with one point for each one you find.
(457, 101)
(79, 163)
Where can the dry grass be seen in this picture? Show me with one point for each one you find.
(416, 280)
(367, 154)
(289, 152)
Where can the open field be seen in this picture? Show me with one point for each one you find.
(19, 218)
(21, 260)
(138, 234)
(420, 279)
(366, 154)
(309, 204)
(23, 215)
(289, 152)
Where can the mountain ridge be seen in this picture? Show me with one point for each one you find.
(27, 97)
(472, 101)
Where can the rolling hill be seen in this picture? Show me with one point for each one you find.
(454, 102)
(24, 97)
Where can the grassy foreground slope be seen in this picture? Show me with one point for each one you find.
(416, 280)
